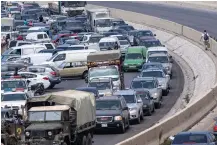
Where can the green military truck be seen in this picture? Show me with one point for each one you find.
(62, 118)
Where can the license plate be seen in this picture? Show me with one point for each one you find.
(132, 66)
(104, 125)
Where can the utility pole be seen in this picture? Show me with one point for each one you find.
(60, 3)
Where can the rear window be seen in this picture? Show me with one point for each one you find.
(49, 46)
(190, 139)
(40, 36)
(12, 44)
(36, 70)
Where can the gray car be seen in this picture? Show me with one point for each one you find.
(51, 72)
(163, 78)
(150, 84)
(134, 104)
(161, 58)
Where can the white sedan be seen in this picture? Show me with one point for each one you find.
(36, 78)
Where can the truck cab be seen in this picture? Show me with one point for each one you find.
(106, 64)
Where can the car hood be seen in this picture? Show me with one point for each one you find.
(44, 126)
(108, 112)
(132, 105)
(13, 103)
(104, 91)
(103, 29)
(133, 61)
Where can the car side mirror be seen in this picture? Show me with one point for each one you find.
(159, 87)
(139, 101)
(155, 35)
(125, 108)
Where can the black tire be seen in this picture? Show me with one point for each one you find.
(166, 92)
(85, 74)
(142, 116)
(122, 128)
(138, 120)
(51, 86)
(42, 90)
(128, 123)
(158, 105)
(84, 140)
(89, 139)
(153, 110)
(149, 113)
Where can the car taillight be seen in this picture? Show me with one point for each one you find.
(20, 89)
(53, 73)
(45, 78)
(215, 128)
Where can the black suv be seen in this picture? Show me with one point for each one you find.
(112, 112)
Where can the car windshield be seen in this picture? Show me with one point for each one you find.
(190, 139)
(44, 116)
(94, 39)
(150, 43)
(75, 48)
(74, 24)
(142, 84)
(127, 28)
(22, 29)
(161, 59)
(121, 37)
(144, 33)
(134, 56)
(103, 23)
(124, 42)
(154, 52)
(157, 74)
(108, 71)
(14, 9)
(13, 84)
(100, 85)
(129, 98)
(152, 66)
(107, 44)
(108, 105)
(13, 97)
(73, 42)
(5, 28)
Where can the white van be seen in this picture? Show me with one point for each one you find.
(61, 56)
(41, 37)
(25, 49)
(15, 43)
(36, 59)
(158, 49)
(109, 43)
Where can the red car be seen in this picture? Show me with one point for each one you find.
(58, 36)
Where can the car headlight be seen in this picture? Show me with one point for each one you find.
(155, 94)
(145, 106)
(118, 118)
(49, 133)
(133, 109)
(167, 68)
(27, 133)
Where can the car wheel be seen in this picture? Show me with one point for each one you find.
(42, 90)
(84, 140)
(158, 105)
(51, 86)
(122, 129)
(153, 110)
(89, 139)
(149, 112)
(142, 116)
(84, 75)
(128, 124)
(138, 120)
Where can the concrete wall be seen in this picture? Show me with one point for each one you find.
(187, 117)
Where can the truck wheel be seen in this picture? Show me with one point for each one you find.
(89, 139)
(84, 140)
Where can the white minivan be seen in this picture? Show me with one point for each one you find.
(36, 59)
(40, 37)
(109, 43)
(61, 56)
(25, 49)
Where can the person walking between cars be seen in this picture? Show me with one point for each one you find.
(41, 19)
(205, 37)
(25, 23)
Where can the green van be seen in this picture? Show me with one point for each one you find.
(134, 58)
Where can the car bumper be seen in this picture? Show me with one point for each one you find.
(133, 114)
(55, 80)
(145, 109)
(132, 67)
(108, 125)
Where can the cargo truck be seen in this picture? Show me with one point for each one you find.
(61, 118)
(68, 8)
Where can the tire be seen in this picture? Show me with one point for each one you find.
(153, 110)
(149, 112)
(138, 120)
(89, 139)
(42, 92)
(84, 75)
(158, 105)
(84, 140)
(51, 86)
(122, 129)
(166, 92)
(142, 116)
(128, 124)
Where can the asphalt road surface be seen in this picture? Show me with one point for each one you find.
(197, 19)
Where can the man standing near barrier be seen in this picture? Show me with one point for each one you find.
(205, 37)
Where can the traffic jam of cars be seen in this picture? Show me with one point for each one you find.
(91, 46)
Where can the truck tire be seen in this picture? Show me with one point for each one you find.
(89, 139)
(84, 140)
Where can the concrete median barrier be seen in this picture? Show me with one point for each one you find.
(195, 110)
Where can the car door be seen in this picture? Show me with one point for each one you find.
(67, 70)
(140, 104)
(125, 112)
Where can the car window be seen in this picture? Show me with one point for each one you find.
(40, 36)
(68, 65)
(49, 46)
(36, 70)
(20, 44)
(13, 58)
(79, 64)
(187, 138)
(16, 51)
(29, 75)
(60, 57)
(12, 44)
(45, 36)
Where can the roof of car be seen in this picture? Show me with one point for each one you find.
(124, 92)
